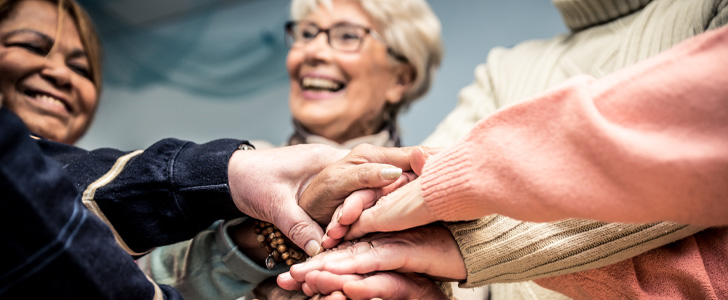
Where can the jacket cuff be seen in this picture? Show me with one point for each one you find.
(240, 264)
(201, 174)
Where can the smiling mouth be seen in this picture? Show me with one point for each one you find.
(321, 84)
(47, 98)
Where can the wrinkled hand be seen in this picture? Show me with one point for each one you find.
(381, 285)
(401, 209)
(265, 185)
(375, 171)
(283, 185)
(429, 250)
(269, 290)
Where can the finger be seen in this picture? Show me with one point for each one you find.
(402, 209)
(396, 156)
(389, 285)
(420, 156)
(328, 189)
(307, 289)
(299, 271)
(417, 160)
(287, 282)
(337, 295)
(329, 242)
(309, 285)
(300, 229)
(355, 204)
(327, 283)
(404, 179)
(337, 232)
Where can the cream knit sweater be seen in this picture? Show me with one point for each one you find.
(607, 35)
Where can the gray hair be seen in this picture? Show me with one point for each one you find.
(409, 27)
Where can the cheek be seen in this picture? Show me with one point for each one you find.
(88, 97)
(293, 62)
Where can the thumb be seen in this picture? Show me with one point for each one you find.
(420, 156)
(301, 229)
(402, 209)
(417, 160)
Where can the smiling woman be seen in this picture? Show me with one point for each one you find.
(50, 66)
(354, 65)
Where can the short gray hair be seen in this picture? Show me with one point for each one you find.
(409, 27)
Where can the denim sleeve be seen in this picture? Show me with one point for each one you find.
(207, 267)
(157, 196)
(53, 247)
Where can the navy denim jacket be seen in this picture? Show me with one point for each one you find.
(61, 233)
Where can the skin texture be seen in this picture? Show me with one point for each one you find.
(369, 76)
(31, 64)
(438, 256)
(275, 192)
(402, 209)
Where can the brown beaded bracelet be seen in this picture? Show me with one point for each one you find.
(274, 242)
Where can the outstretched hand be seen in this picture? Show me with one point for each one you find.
(265, 185)
(380, 285)
(429, 250)
(399, 209)
(293, 186)
(366, 167)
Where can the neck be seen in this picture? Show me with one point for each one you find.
(387, 136)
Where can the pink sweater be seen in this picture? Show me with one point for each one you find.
(647, 143)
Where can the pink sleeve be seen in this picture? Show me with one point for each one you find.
(647, 143)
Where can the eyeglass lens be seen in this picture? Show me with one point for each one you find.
(344, 37)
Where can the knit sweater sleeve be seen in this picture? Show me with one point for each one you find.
(633, 146)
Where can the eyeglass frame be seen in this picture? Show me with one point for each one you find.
(367, 31)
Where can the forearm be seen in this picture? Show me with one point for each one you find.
(52, 245)
(161, 195)
(632, 147)
(499, 249)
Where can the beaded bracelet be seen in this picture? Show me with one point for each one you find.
(274, 242)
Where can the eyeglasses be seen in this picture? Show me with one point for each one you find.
(345, 37)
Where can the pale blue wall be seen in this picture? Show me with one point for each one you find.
(168, 74)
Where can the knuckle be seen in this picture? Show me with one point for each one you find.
(363, 176)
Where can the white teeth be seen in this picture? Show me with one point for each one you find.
(320, 83)
(49, 99)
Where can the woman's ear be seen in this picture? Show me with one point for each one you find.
(404, 75)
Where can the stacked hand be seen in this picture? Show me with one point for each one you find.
(356, 267)
(398, 210)
(283, 185)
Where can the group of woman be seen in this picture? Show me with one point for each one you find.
(355, 65)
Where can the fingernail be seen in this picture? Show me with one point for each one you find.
(338, 217)
(423, 152)
(313, 248)
(337, 293)
(391, 173)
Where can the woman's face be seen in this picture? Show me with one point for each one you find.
(48, 87)
(341, 95)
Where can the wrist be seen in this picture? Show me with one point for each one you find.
(245, 238)
(236, 173)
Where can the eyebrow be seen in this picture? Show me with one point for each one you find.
(75, 53)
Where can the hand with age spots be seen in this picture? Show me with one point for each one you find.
(293, 186)
(394, 210)
(429, 250)
(380, 285)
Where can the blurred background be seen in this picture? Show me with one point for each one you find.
(206, 69)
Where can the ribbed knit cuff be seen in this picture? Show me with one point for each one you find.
(447, 177)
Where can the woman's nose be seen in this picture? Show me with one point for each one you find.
(57, 73)
(318, 48)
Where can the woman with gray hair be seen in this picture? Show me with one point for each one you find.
(353, 65)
